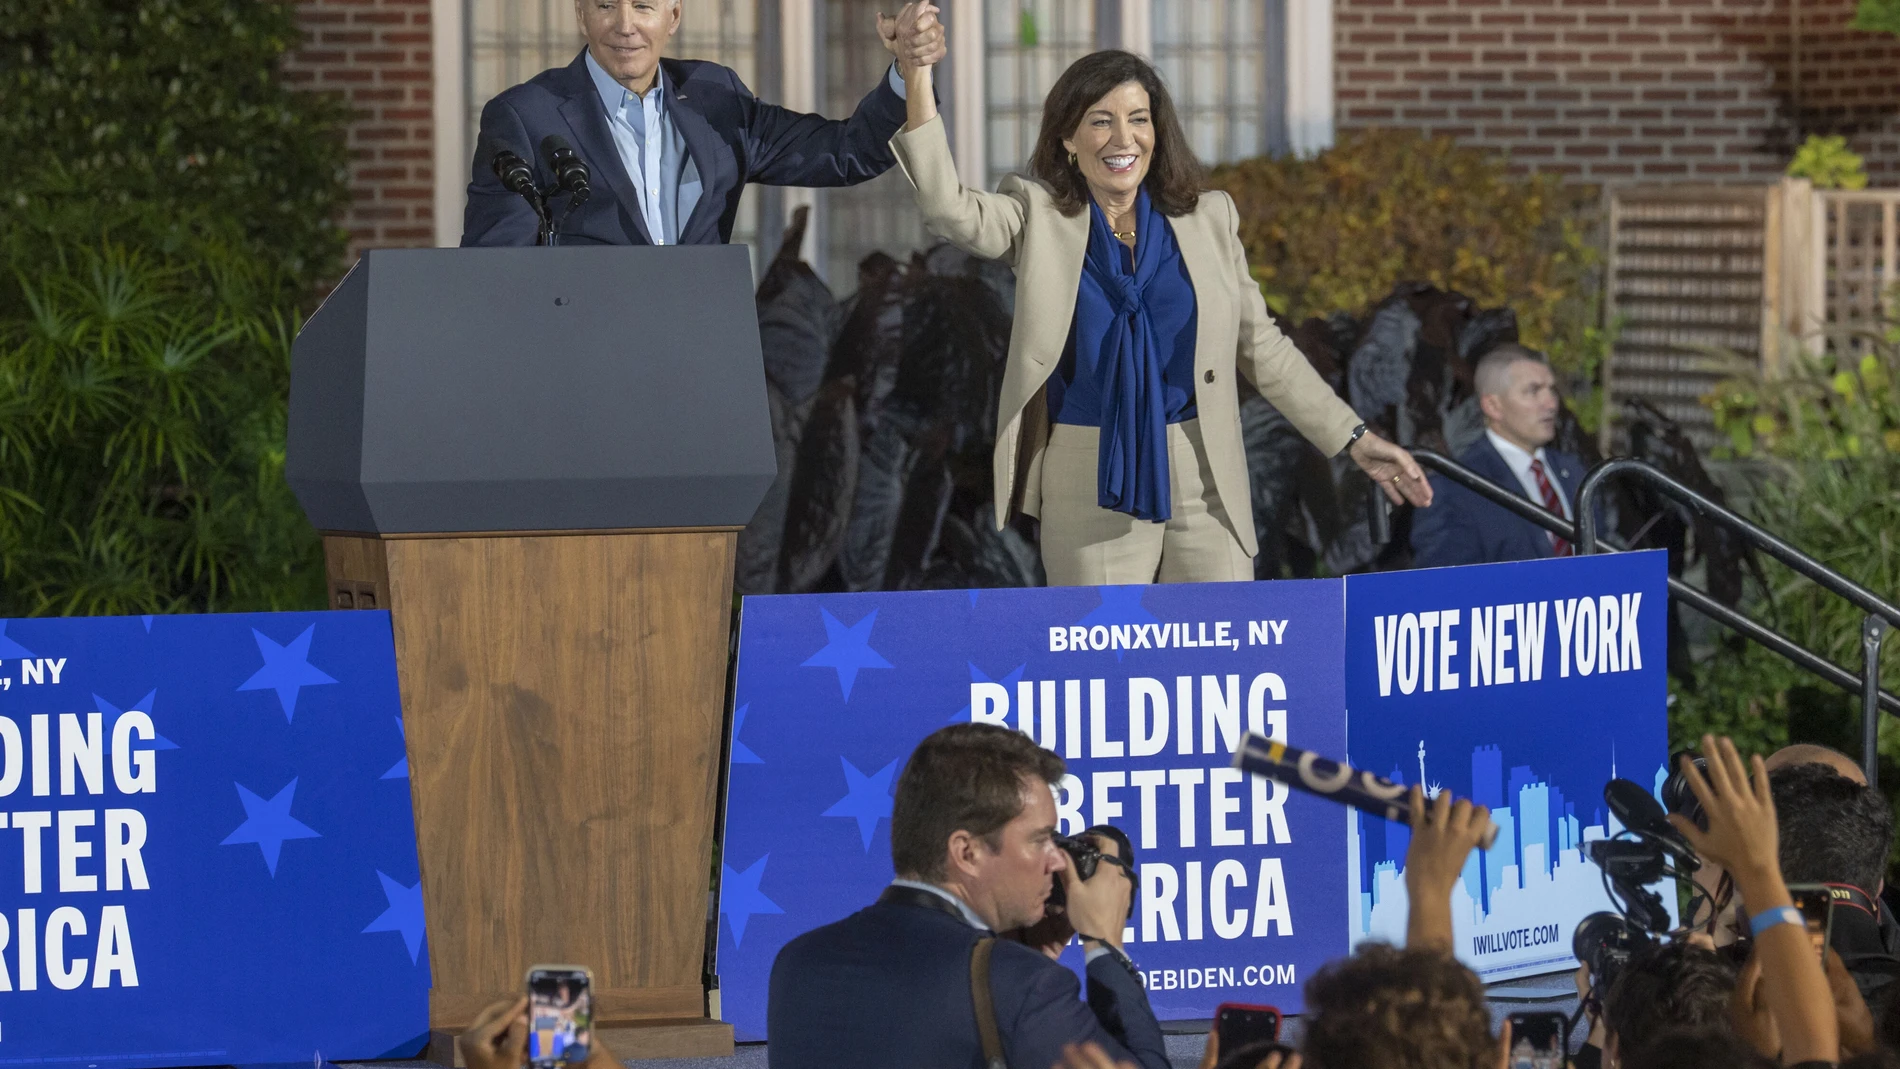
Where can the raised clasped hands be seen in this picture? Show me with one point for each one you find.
(914, 36)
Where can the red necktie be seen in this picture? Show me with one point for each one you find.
(1552, 503)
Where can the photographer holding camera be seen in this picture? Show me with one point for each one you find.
(919, 979)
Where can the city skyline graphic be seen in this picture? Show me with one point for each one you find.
(1506, 896)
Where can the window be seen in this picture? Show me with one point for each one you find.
(880, 215)
(1029, 43)
(1219, 59)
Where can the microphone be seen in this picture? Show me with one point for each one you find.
(1307, 771)
(1641, 813)
(570, 173)
(515, 175)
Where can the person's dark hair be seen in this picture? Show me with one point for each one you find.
(1696, 1048)
(1175, 178)
(965, 776)
(1833, 830)
(1668, 987)
(1397, 1009)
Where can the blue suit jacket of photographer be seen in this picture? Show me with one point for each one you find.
(889, 986)
(731, 136)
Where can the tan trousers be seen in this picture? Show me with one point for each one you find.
(1084, 544)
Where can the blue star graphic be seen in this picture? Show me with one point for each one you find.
(977, 675)
(143, 705)
(399, 770)
(867, 798)
(739, 897)
(1120, 605)
(286, 669)
(847, 649)
(10, 648)
(148, 623)
(269, 823)
(403, 915)
(741, 753)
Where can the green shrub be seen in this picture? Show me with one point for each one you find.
(174, 105)
(1824, 444)
(167, 214)
(1877, 16)
(142, 417)
(1335, 232)
(1826, 161)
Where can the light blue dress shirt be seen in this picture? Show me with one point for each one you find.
(667, 178)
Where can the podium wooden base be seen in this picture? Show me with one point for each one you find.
(563, 708)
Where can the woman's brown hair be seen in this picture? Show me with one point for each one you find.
(1174, 180)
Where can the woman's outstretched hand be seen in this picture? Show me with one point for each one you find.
(1393, 469)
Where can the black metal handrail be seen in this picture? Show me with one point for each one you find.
(1863, 684)
(1879, 613)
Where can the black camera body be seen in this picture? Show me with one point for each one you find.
(1605, 942)
(1678, 798)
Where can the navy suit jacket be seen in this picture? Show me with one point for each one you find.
(1460, 527)
(731, 135)
(889, 988)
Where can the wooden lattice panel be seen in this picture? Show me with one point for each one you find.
(1856, 241)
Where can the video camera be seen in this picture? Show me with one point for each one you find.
(1647, 850)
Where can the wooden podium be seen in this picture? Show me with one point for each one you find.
(538, 460)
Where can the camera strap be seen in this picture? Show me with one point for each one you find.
(985, 1004)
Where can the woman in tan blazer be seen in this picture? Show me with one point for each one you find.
(1119, 424)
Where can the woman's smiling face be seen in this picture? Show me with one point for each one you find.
(1115, 143)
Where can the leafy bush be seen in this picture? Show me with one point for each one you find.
(1824, 439)
(1877, 16)
(1826, 161)
(168, 212)
(174, 105)
(142, 417)
(1335, 232)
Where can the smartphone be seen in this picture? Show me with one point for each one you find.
(560, 1014)
(1816, 903)
(1539, 1040)
(1239, 1024)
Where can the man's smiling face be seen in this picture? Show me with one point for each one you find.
(626, 37)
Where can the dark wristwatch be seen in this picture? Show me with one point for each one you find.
(1357, 433)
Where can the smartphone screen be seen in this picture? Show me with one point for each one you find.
(1539, 1040)
(1240, 1025)
(560, 1014)
(1816, 903)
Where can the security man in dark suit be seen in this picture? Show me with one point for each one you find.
(671, 143)
(1518, 396)
(973, 829)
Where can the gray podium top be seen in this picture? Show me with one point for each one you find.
(532, 389)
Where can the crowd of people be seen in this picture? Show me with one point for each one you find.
(956, 965)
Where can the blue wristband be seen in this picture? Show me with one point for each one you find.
(1768, 918)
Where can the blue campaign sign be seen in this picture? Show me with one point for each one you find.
(1527, 687)
(209, 855)
(1143, 690)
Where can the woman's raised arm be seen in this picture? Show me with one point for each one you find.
(980, 223)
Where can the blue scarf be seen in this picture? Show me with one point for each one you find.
(1111, 318)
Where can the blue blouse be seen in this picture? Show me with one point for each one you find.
(1128, 366)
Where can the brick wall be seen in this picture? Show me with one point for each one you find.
(1624, 90)
(375, 53)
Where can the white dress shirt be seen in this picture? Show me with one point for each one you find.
(1520, 464)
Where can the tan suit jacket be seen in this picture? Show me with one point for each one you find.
(1021, 226)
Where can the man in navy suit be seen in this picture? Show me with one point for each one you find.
(671, 143)
(1518, 396)
(973, 829)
